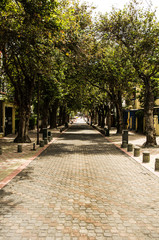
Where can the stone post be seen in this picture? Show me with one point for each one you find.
(34, 148)
(124, 144)
(49, 133)
(146, 157)
(136, 151)
(49, 138)
(42, 143)
(106, 132)
(125, 136)
(0, 150)
(45, 133)
(19, 148)
(157, 164)
(130, 147)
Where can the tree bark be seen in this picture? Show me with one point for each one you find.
(60, 116)
(44, 114)
(24, 116)
(118, 104)
(109, 117)
(119, 119)
(64, 115)
(53, 114)
(23, 90)
(102, 117)
(148, 112)
(99, 117)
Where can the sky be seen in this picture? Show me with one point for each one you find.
(106, 5)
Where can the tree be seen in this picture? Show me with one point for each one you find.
(74, 42)
(26, 27)
(111, 72)
(136, 30)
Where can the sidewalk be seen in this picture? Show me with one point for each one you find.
(137, 140)
(13, 162)
(81, 188)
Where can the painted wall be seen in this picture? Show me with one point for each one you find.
(4, 106)
(156, 124)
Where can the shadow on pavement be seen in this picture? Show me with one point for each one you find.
(92, 137)
(70, 149)
(25, 174)
(7, 204)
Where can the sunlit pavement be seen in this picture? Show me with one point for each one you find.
(81, 187)
(12, 162)
(138, 140)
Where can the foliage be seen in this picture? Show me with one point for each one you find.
(26, 28)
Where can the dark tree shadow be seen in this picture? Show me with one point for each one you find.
(7, 204)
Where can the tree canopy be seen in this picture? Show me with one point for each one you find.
(79, 62)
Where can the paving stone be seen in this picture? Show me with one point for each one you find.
(82, 187)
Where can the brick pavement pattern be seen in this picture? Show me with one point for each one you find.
(81, 187)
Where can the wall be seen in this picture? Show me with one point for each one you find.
(4, 106)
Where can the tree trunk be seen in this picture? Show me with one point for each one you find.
(23, 91)
(118, 104)
(119, 119)
(99, 117)
(53, 114)
(96, 116)
(64, 115)
(60, 116)
(148, 111)
(102, 118)
(109, 117)
(44, 115)
(24, 116)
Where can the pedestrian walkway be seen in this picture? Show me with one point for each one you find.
(82, 187)
(136, 139)
(12, 162)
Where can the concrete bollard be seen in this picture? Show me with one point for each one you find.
(45, 141)
(106, 130)
(136, 151)
(45, 133)
(50, 135)
(0, 150)
(49, 138)
(124, 144)
(34, 146)
(157, 164)
(130, 147)
(19, 148)
(146, 157)
(66, 124)
(125, 136)
(42, 143)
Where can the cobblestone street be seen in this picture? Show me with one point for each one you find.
(82, 187)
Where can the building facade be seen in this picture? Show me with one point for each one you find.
(134, 117)
(7, 110)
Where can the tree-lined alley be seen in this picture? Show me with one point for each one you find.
(56, 54)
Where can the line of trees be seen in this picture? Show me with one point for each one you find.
(40, 42)
(55, 49)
